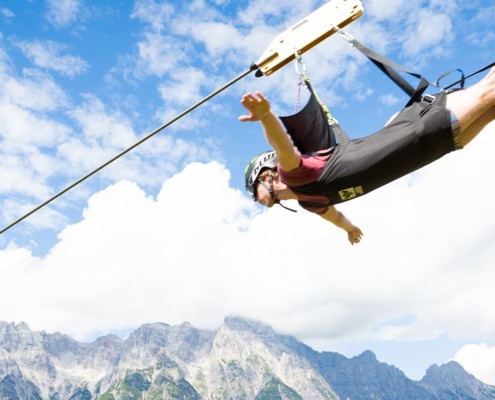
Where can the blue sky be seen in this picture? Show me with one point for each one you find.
(167, 233)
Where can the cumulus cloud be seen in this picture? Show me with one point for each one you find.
(479, 360)
(134, 258)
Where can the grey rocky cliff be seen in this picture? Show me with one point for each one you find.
(242, 359)
(451, 381)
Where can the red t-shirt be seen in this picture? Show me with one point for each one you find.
(308, 171)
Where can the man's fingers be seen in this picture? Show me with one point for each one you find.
(260, 96)
(253, 99)
(249, 97)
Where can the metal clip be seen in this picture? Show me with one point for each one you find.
(298, 62)
(344, 35)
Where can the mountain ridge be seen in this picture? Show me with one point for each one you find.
(242, 359)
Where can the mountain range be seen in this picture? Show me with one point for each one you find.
(243, 359)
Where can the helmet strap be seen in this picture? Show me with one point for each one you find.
(281, 205)
(272, 192)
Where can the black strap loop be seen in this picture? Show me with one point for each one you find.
(461, 82)
(469, 76)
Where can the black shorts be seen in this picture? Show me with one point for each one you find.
(419, 135)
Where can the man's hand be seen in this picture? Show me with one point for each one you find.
(354, 235)
(257, 105)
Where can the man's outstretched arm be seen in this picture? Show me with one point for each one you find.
(354, 234)
(259, 110)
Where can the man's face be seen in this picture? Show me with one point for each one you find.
(263, 194)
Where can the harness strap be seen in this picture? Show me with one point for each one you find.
(388, 67)
(342, 137)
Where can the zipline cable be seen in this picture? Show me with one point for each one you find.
(252, 68)
(280, 52)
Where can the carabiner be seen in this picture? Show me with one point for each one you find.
(344, 35)
(299, 61)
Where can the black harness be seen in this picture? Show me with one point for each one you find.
(419, 135)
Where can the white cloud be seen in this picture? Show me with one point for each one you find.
(384, 9)
(134, 259)
(26, 133)
(25, 129)
(34, 91)
(479, 360)
(49, 55)
(416, 30)
(179, 94)
(219, 38)
(7, 13)
(105, 133)
(363, 95)
(46, 218)
(390, 100)
(173, 234)
(26, 174)
(288, 13)
(155, 14)
(432, 32)
(40, 153)
(184, 90)
(61, 13)
(112, 129)
(159, 55)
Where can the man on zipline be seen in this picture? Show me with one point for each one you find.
(417, 136)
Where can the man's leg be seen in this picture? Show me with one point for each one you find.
(474, 107)
(476, 127)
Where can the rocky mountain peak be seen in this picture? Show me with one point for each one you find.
(238, 323)
(15, 337)
(450, 381)
(242, 359)
(367, 356)
(451, 370)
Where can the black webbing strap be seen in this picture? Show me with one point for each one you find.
(388, 67)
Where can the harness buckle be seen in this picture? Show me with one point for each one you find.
(428, 98)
